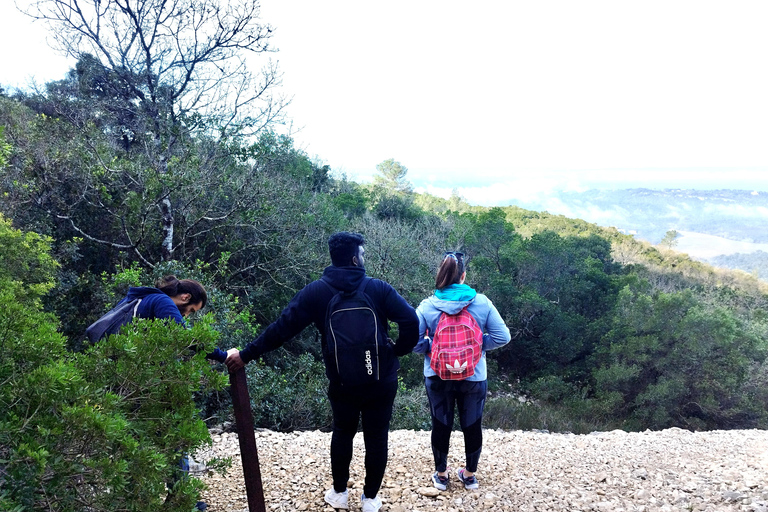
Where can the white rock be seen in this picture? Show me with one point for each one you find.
(428, 491)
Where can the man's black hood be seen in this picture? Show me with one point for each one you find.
(344, 278)
(139, 292)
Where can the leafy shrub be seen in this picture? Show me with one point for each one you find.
(576, 416)
(100, 430)
(670, 360)
(289, 395)
(411, 410)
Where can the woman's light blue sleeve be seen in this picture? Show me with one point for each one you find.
(496, 332)
(424, 344)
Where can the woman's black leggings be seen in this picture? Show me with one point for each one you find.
(469, 396)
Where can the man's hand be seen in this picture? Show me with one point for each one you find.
(233, 361)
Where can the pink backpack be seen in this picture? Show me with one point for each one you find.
(457, 345)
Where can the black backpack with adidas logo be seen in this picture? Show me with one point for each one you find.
(357, 350)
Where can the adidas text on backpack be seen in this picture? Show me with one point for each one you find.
(357, 350)
(457, 345)
(113, 320)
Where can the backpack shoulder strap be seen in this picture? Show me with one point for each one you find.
(136, 308)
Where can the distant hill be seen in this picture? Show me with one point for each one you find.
(737, 215)
(723, 227)
(756, 263)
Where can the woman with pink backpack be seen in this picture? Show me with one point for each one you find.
(457, 326)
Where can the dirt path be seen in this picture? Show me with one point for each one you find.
(670, 470)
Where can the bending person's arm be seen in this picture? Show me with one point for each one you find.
(167, 309)
(424, 345)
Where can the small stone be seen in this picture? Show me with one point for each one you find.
(428, 491)
(641, 494)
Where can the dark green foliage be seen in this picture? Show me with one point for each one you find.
(351, 204)
(671, 361)
(291, 395)
(5, 148)
(389, 205)
(573, 415)
(411, 409)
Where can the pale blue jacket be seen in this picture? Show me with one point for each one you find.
(451, 300)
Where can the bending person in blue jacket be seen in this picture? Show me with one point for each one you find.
(371, 401)
(451, 296)
(173, 299)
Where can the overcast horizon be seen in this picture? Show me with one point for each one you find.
(512, 190)
(508, 101)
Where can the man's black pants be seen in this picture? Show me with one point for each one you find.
(374, 404)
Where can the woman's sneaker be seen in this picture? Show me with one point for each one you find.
(440, 482)
(371, 504)
(337, 499)
(470, 482)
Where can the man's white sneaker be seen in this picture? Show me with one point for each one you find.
(371, 504)
(337, 499)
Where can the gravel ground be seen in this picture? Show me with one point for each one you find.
(617, 471)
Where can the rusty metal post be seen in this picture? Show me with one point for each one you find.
(241, 402)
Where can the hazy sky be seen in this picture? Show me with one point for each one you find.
(506, 99)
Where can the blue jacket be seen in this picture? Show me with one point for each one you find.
(310, 304)
(155, 304)
(495, 332)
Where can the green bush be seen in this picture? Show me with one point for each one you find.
(290, 394)
(671, 361)
(411, 410)
(100, 430)
(576, 416)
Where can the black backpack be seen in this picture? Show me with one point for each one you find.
(357, 349)
(113, 320)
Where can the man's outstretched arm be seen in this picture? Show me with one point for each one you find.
(294, 318)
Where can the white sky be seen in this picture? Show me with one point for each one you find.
(511, 98)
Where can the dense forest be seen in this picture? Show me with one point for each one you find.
(111, 178)
(755, 263)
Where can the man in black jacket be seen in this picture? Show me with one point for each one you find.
(372, 401)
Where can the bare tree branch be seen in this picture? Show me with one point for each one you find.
(184, 63)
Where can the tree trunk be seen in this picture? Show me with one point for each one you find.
(167, 222)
